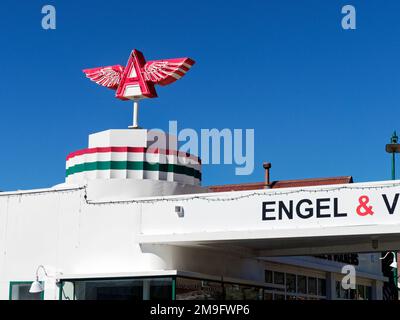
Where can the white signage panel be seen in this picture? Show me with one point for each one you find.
(359, 204)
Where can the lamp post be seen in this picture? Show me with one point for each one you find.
(394, 147)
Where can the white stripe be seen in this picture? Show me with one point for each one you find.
(132, 174)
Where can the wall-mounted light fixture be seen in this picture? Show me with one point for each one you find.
(180, 211)
(394, 262)
(36, 286)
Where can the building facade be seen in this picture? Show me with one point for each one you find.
(91, 237)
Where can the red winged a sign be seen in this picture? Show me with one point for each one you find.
(137, 80)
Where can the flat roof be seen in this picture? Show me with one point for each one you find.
(282, 184)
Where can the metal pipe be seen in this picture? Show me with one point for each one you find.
(135, 114)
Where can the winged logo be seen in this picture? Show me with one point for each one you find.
(109, 77)
(137, 79)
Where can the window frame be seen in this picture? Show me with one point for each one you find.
(60, 296)
(14, 283)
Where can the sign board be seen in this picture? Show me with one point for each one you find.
(337, 210)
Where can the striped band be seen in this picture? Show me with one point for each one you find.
(133, 163)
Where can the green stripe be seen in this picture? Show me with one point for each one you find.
(133, 165)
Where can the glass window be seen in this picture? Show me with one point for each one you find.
(352, 294)
(339, 290)
(279, 278)
(109, 290)
(240, 292)
(268, 276)
(312, 286)
(196, 289)
(322, 287)
(20, 291)
(160, 289)
(301, 284)
(345, 294)
(290, 282)
(368, 292)
(252, 293)
(67, 290)
(233, 292)
(360, 292)
(119, 289)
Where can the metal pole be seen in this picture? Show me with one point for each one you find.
(393, 166)
(394, 147)
(135, 124)
(395, 273)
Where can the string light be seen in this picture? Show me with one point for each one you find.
(208, 197)
(40, 192)
(213, 198)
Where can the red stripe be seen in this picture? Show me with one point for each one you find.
(105, 149)
(130, 149)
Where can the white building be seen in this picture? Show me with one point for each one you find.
(134, 223)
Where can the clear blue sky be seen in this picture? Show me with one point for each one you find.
(323, 101)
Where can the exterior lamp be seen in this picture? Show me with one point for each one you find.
(36, 286)
(394, 262)
(180, 211)
(393, 147)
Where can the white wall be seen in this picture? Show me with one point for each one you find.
(60, 230)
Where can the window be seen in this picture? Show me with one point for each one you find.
(349, 294)
(368, 292)
(268, 276)
(294, 286)
(279, 278)
(340, 292)
(20, 291)
(321, 287)
(239, 292)
(196, 289)
(312, 286)
(364, 292)
(360, 292)
(290, 282)
(159, 288)
(302, 284)
(118, 289)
